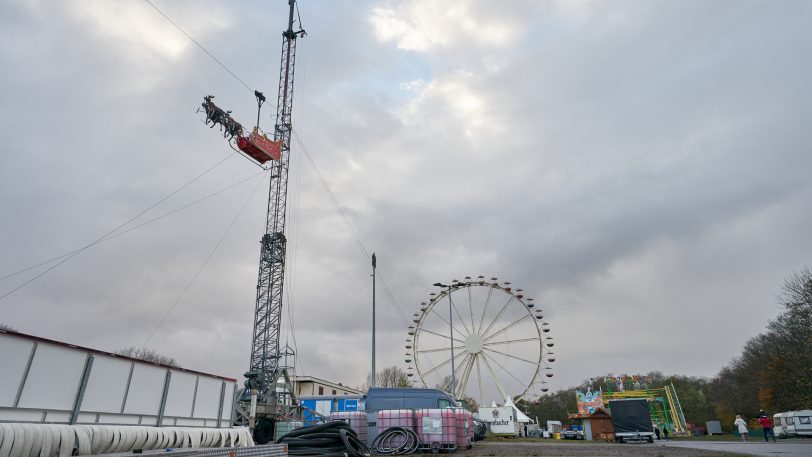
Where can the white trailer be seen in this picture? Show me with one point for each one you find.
(793, 423)
(803, 422)
(51, 382)
(501, 420)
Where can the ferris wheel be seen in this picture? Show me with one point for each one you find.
(501, 347)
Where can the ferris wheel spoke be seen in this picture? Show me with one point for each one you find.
(519, 340)
(479, 381)
(459, 370)
(471, 309)
(521, 383)
(512, 356)
(495, 378)
(508, 327)
(446, 322)
(423, 351)
(466, 375)
(447, 361)
(498, 315)
(467, 331)
(484, 310)
(442, 336)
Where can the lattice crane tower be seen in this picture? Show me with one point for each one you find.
(265, 367)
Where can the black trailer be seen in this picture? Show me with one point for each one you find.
(632, 420)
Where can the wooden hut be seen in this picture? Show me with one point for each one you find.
(598, 426)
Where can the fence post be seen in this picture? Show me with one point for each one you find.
(80, 394)
(163, 398)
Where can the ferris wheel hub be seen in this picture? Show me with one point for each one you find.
(474, 343)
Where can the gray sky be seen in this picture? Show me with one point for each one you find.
(641, 168)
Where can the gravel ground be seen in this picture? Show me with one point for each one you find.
(581, 449)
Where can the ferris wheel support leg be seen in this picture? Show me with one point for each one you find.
(466, 375)
(495, 378)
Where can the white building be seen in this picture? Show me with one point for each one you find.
(310, 386)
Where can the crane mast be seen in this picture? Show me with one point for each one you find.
(265, 369)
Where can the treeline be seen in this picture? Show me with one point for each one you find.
(773, 372)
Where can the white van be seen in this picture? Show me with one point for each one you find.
(803, 422)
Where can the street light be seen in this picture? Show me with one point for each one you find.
(451, 329)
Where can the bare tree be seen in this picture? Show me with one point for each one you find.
(388, 377)
(445, 384)
(468, 402)
(148, 355)
(7, 327)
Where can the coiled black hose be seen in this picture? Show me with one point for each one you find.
(384, 443)
(331, 439)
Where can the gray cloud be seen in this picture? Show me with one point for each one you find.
(641, 169)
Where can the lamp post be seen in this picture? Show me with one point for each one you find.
(374, 265)
(451, 330)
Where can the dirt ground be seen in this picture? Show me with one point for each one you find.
(581, 449)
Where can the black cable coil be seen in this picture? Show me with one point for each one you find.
(396, 441)
(331, 439)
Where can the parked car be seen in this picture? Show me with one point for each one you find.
(379, 398)
(572, 434)
(480, 429)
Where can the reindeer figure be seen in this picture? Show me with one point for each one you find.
(233, 128)
(214, 114)
(226, 122)
(217, 116)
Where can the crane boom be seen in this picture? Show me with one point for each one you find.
(264, 365)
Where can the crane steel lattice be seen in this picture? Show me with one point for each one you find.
(265, 367)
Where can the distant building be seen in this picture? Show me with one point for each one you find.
(305, 386)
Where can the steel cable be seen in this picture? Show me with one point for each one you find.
(331, 439)
(384, 443)
(119, 227)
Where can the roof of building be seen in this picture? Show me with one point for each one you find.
(111, 354)
(326, 383)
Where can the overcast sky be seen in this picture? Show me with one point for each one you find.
(641, 168)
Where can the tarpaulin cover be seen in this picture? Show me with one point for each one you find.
(630, 416)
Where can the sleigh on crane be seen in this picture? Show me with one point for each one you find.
(256, 146)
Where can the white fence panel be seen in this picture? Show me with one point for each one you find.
(146, 390)
(228, 400)
(14, 353)
(207, 404)
(52, 382)
(54, 378)
(107, 385)
(181, 394)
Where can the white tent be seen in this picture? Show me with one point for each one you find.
(520, 416)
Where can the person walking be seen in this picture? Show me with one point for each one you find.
(665, 432)
(742, 426)
(657, 432)
(766, 426)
